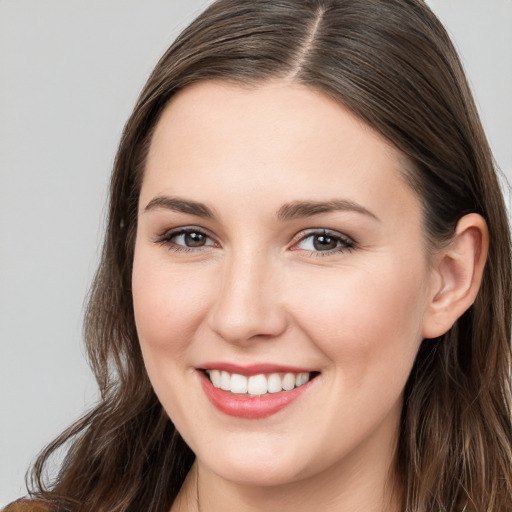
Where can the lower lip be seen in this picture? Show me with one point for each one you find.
(250, 407)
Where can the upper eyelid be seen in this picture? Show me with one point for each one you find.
(348, 244)
(166, 235)
(300, 236)
(322, 231)
(185, 229)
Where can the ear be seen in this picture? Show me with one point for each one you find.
(456, 275)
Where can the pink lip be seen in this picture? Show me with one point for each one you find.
(250, 407)
(253, 369)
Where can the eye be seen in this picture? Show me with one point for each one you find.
(186, 239)
(325, 241)
(190, 239)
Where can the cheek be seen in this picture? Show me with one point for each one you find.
(169, 308)
(365, 320)
(168, 305)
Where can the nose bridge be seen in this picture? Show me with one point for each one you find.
(248, 301)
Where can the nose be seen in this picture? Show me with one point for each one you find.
(249, 304)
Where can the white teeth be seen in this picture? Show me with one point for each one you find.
(257, 384)
(301, 378)
(238, 383)
(274, 383)
(225, 381)
(215, 378)
(289, 381)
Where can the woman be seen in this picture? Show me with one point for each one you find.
(307, 269)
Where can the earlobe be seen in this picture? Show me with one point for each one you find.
(458, 270)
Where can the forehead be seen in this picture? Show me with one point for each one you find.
(274, 112)
(280, 140)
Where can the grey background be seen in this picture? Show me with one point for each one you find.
(70, 71)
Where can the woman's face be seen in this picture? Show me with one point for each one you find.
(279, 254)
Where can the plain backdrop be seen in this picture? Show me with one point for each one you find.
(70, 72)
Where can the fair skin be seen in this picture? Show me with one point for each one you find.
(233, 269)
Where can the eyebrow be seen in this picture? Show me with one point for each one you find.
(289, 211)
(300, 209)
(180, 205)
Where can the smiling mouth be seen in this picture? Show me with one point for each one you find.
(260, 384)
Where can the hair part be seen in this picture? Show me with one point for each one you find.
(393, 65)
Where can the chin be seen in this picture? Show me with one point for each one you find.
(270, 474)
(256, 467)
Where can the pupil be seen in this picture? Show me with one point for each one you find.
(324, 243)
(194, 239)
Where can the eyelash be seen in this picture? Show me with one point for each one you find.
(166, 239)
(343, 243)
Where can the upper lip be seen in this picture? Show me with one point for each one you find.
(253, 368)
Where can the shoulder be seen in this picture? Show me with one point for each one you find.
(27, 506)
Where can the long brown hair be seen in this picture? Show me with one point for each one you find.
(391, 63)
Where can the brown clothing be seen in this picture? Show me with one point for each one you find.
(27, 506)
